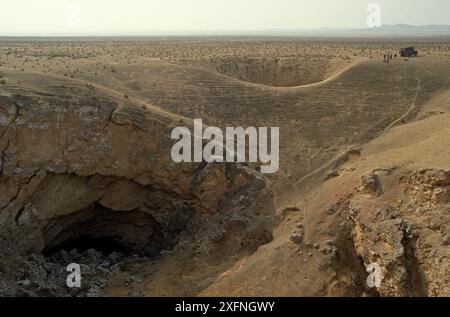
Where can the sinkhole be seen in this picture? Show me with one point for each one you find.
(276, 72)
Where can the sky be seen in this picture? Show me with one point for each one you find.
(156, 17)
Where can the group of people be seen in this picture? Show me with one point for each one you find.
(388, 57)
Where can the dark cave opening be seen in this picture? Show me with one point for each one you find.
(104, 230)
(104, 245)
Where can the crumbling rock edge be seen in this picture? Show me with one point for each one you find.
(395, 223)
(64, 159)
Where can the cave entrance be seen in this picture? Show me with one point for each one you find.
(104, 230)
(105, 245)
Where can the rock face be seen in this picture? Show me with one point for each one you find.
(93, 167)
(373, 231)
(403, 230)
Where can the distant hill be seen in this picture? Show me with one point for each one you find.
(396, 30)
(412, 29)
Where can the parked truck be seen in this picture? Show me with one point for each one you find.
(408, 52)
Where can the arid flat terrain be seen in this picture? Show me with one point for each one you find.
(364, 168)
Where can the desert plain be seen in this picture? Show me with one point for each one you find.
(86, 174)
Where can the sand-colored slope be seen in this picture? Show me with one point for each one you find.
(351, 105)
(316, 122)
(391, 95)
(309, 268)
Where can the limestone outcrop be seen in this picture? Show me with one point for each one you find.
(99, 167)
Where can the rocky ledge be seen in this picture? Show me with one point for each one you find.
(92, 168)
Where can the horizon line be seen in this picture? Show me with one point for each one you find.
(255, 32)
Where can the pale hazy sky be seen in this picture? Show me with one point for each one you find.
(139, 17)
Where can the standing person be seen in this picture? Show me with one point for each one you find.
(384, 58)
(395, 55)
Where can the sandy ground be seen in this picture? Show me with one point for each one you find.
(341, 111)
